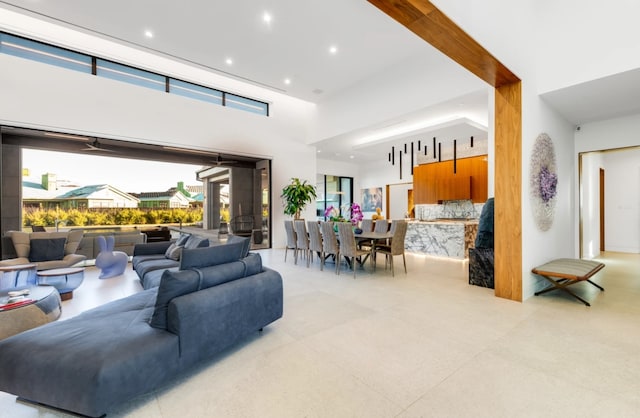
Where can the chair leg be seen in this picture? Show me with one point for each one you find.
(392, 268)
(353, 266)
(404, 260)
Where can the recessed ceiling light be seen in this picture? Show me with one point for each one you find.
(266, 17)
(333, 49)
(287, 81)
(148, 33)
(229, 61)
(352, 157)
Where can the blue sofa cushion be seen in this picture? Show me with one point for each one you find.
(46, 249)
(227, 272)
(145, 267)
(195, 241)
(152, 278)
(246, 241)
(210, 256)
(172, 284)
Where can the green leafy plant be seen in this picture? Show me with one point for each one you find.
(296, 195)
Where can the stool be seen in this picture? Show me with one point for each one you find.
(568, 271)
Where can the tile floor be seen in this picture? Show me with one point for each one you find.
(425, 344)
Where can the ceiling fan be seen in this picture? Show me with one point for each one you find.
(218, 161)
(96, 146)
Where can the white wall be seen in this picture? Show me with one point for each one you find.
(583, 40)
(622, 200)
(589, 198)
(380, 174)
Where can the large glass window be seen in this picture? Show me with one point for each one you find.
(36, 51)
(131, 75)
(49, 54)
(333, 191)
(249, 105)
(195, 91)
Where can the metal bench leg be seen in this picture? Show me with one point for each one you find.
(562, 285)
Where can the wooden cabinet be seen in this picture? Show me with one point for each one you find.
(436, 181)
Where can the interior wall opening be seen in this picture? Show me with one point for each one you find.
(248, 174)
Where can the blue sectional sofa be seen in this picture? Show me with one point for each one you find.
(123, 349)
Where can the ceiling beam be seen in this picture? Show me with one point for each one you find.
(425, 20)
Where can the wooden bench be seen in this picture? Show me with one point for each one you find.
(564, 272)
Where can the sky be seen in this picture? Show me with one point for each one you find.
(127, 175)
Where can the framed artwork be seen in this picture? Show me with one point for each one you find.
(371, 199)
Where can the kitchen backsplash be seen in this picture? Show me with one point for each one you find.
(449, 209)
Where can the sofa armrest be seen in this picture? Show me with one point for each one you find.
(209, 320)
(15, 261)
(151, 248)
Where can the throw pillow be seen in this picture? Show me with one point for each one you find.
(47, 249)
(210, 256)
(252, 264)
(172, 285)
(182, 240)
(246, 242)
(173, 252)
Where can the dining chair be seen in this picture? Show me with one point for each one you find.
(315, 240)
(302, 239)
(329, 244)
(348, 247)
(366, 225)
(291, 240)
(396, 247)
(382, 226)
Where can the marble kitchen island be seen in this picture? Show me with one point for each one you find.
(443, 238)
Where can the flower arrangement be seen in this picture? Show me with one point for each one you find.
(355, 214)
(334, 214)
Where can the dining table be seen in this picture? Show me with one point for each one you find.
(374, 237)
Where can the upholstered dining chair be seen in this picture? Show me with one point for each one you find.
(291, 240)
(329, 244)
(366, 225)
(382, 226)
(315, 240)
(396, 247)
(302, 239)
(348, 247)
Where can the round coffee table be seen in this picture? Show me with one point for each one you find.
(66, 280)
(40, 306)
(19, 275)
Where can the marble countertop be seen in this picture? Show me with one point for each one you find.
(445, 221)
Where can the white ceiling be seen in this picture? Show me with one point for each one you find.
(296, 44)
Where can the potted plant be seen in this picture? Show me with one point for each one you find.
(296, 195)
